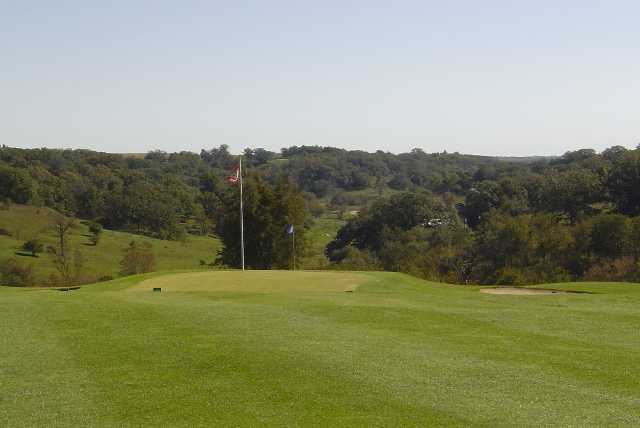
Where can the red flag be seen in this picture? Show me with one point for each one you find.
(235, 175)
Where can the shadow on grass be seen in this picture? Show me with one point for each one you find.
(23, 254)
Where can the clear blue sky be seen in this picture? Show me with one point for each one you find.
(485, 77)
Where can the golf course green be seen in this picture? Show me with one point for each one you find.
(273, 348)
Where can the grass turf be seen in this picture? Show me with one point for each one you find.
(397, 351)
(256, 282)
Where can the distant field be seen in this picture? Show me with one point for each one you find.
(26, 222)
(295, 349)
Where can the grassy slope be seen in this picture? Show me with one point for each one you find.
(25, 222)
(324, 230)
(398, 351)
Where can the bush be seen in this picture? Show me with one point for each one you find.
(621, 269)
(356, 259)
(543, 274)
(16, 274)
(34, 246)
(137, 259)
(511, 276)
(54, 280)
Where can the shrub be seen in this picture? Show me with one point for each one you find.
(16, 274)
(356, 259)
(542, 274)
(34, 246)
(511, 276)
(54, 280)
(137, 259)
(621, 269)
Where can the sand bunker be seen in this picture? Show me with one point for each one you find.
(515, 291)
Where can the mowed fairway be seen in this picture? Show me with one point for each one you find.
(215, 349)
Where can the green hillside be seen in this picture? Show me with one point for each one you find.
(27, 222)
(282, 348)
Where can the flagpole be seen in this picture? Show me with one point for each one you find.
(241, 217)
(294, 249)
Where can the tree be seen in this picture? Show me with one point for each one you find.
(15, 184)
(218, 157)
(634, 239)
(267, 211)
(388, 217)
(290, 208)
(257, 157)
(137, 258)
(62, 226)
(34, 246)
(416, 233)
(203, 223)
(572, 192)
(610, 235)
(147, 207)
(614, 153)
(400, 181)
(157, 155)
(624, 182)
(479, 200)
(504, 242)
(95, 229)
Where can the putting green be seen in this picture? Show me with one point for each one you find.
(256, 282)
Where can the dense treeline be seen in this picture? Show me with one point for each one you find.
(454, 217)
(570, 218)
(322, 170)
(157, 193)
(149, 196)
(161, 195)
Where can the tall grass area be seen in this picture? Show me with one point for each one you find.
(27, 222)
(281, 349)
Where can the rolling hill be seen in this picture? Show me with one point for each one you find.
(282, 348)
(22, 222)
